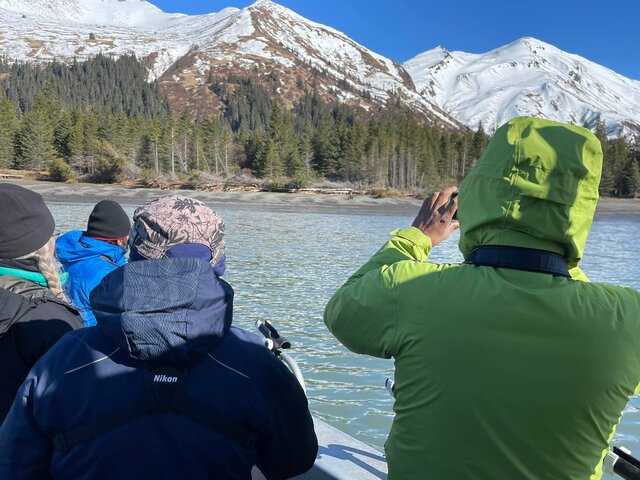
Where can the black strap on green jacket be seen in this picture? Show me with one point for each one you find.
(520, 258)
(165, 393)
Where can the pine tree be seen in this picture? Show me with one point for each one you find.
(267, 160)
(252, 148)
(211, 134)
(305, 149)
(479, 143)
(155, 132)
(325, 146)
(36, 148)
(35, 141)
(9, 124)
(131, 148)
(607, 181)
(633, 179)
(289, 151)
(107, 130)
(62, 134)
(445, 159)
(272, 166)
(618, 159)
(601, 133)
(101, 82)
(352, 154)
(271, 151)
(76, 134)
(106, 112)
(90, 136)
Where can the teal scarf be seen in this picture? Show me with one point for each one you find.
(34, 277)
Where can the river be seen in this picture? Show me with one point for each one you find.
(285, 265)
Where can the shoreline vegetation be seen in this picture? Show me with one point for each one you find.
(242, 182)
(307, 200)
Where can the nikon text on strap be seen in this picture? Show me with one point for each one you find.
(519, 258)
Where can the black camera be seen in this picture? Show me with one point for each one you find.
(450, 201)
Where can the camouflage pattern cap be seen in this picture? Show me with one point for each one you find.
(174, 220)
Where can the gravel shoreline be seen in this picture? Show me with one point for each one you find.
(91, 193)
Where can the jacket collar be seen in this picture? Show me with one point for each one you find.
(74, 247)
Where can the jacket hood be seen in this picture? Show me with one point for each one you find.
(172, 310)
(12, 307)
(535, 186)
(73, 247)
(24, 287)
(18, 296)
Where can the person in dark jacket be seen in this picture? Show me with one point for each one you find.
(33, 313)
(164, 387)
(89, 256)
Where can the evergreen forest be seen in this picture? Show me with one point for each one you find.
(99, 117)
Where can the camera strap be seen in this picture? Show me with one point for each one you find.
(520, 258)
(165, 393)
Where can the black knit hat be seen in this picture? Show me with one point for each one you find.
(26, 224)
(108, 221)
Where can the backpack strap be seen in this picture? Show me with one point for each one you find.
(64, 442)
(519, 258)
(165, 393)
(213, 420)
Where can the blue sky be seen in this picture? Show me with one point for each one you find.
(604, 31)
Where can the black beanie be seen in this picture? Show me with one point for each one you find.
(26, 224)
(108, 221)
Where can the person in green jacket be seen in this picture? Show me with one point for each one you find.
(510, 365)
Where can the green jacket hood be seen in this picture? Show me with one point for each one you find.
(535, 186)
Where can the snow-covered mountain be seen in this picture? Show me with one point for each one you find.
(527, 77)
(289, 55)
(265, 40)
(92, 12)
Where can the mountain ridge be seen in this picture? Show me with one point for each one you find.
(183, 51)
(290, 54)
(527, 77)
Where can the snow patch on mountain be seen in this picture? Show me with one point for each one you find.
(259, 38)
(122, 13)
(64, 30)
(526, 77)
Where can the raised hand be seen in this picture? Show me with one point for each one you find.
(435, 218)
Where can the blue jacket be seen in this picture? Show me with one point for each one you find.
(164, 326)
(87, 261)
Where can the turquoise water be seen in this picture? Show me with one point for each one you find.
(284, 267)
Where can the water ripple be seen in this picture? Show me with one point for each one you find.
(284, 267)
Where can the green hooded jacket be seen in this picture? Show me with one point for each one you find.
(501, 373)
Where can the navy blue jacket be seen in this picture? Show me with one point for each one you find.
(87, 261)
(153, 314)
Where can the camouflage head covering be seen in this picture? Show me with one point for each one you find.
(174, 220)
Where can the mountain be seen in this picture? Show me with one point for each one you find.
(285, 52)
(527, 77)
(119, 13)
(64, 30)
(290, 56)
